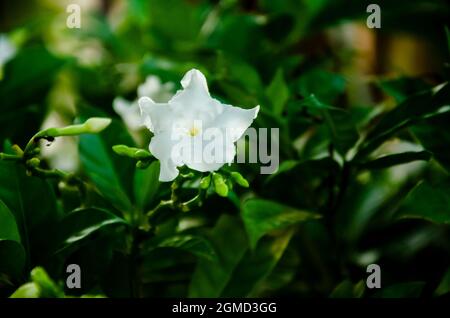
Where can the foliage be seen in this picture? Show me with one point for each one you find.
(360, 180)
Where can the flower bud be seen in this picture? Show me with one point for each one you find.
(220, 185)
(239, 179)
(91, 126)
(132, 152)
(34, 162)
(205, 182)
(96, 124)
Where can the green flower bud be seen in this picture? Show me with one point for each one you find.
(132, 152)
(220, 185)
(239, 179)
(34, 162)
(45, 283)
(142, 154)
(29, 290)
(91, 126)
(95, 125)
(205, 182)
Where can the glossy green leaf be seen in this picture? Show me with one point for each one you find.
(324, 85)
(36, 222)
(256, 265)
(278, 92)
(428, 201)
(340, 126)
(12, 258)
(411, 110)
(111, 173)
(262, 217)
(434, 135)
(397, 159)
(28, 76)
(146, 184)
(210, 278)
(80, 224)
(8, 226)
(346, 289)
(194, 244)
(403, 87)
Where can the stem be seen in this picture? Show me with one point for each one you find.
(134, 268)
(8, 157)
(162, 204)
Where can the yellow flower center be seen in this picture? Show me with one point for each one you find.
(193, 131)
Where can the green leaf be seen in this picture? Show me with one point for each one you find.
(403, 290)
(80, 224)
(27, 79)
(36, 222)
(12, 258)
(194, 244)
(411, 110)
(8, 226)
(324, 85)
(111, 174)
(339, 123)
(146, 184)
(444, 285)
(284, 167)
(278, 92)
(434, 135)
(397, 159)
(403, 87)
(256, 265)
(346, 289)
(428, 201)
(210, 278)
(27, 76)
(261, 217)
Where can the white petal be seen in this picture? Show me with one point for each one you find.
(195, 79)
(161, 147)
(7, 49)
(150, 87)
(194, 100)
(236, 120)
(228, 152)
(129, 112)
(156, 117)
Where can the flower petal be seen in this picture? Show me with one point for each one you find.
(194, 79)
(211, 162)
(156, 117)
(235, 120)
(161, 146)
(129, 112)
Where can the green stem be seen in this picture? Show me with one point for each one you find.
(8, 157)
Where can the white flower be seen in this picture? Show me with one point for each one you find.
(183, 122)
(130, 112)
(153, 88)
(7, 50)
